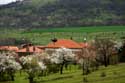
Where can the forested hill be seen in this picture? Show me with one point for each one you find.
(54, 13)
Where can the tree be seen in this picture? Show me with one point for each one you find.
(105, 49)
(62, 56)
(8, 66)
(32, 64)
(87, 58)
(121, 52)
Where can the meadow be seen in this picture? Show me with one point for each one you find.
(44, 36)
(87, 29)
(112, 74)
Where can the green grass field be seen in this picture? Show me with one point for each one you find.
(44, 36)
(81, 29)
(114, 74)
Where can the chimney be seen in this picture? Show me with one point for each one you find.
(54, 40)
(71, 38)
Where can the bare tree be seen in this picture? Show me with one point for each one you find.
(86, 59)
(105, 49)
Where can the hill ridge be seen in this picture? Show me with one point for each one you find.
(60, 13)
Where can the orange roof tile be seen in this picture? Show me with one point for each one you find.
(64, 43)
(41, 47)
(9, 48)
(32, 49)
(84, 44)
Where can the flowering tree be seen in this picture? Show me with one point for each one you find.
(32, 64)
(61, 56)
(121, 51)
(86, 59)
(8, 66)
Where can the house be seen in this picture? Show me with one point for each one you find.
(74, 46)
(28, 50)
(9, 48)
(41, 47)
(84, 45)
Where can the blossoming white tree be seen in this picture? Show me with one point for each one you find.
(86, 59)
(8, 65)
(62, 56)
(32, 64)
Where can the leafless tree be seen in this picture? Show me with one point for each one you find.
(86, 59)
(105, 49)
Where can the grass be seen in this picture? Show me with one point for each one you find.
(114, 74)
(81, 29)
(44, 36)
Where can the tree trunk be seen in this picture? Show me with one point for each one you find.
(66, 66)
(61, 69)
(12, 78)
(20, 72)
(105, 61)
(31, 80)
(83, 69)
(83, 73)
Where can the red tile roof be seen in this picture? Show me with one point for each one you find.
(64, 43)
(31, 49)
(41, 47)
(9, 48)
(84, 44)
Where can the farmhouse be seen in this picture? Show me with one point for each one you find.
(29, 49)
(74, 46)
(9, 48)
(41, 47)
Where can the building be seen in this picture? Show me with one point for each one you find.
(74, 46)
(9, 48)
(28, 50)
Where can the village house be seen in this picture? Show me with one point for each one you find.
(9, 48)
(28, 49)
(67, 43)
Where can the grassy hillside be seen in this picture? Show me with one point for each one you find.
(80, 29)
(55, 13)
(113, 74)
(44, 36)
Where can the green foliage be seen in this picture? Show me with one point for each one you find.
(41, 2)
(55, 13)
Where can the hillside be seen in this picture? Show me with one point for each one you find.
(44, 36)
(112, 74)
(56, 13)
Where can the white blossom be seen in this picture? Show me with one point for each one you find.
(33, 60)
(62, 54)
(42, 65)
(8, 61)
